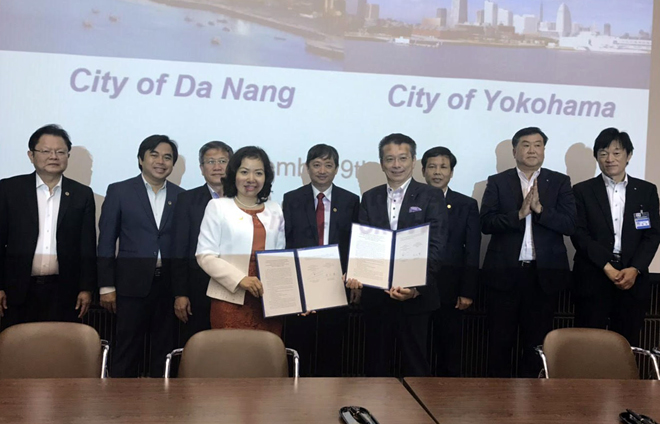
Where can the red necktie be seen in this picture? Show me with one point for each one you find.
(320, 212)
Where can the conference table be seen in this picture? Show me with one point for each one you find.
(533, 401)
(245, 401)
(317, 400)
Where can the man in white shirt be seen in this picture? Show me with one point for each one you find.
(47, 237)
(401, 315)
(317, 214)
(527, 210)
(135, 282)
(616, 239)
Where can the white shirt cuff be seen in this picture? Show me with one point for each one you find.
(106, 290)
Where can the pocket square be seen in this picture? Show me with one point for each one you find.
(414, 209)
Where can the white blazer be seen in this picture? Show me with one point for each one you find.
(225, 244)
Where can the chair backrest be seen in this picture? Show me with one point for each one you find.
(234, 353)
(588, 353)
(50, 350)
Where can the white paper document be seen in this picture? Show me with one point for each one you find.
(411, 249)
(320, 275)
(278, 275)
(216, 290)
(384, 258)
(370, 254)
(301, 280)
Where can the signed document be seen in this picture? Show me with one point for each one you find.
(302, 280)
(384, 258)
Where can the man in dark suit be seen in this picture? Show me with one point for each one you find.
(189, 281)
(402, 314)
(460, 269)
(617, 235)
(47, 237)
(320, 213)
(138, 213)
(527, 210)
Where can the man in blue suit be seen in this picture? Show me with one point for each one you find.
(189, 281)
(528, 210)
(402, 314)
(135, 282)
(460, 265)
(320, 213)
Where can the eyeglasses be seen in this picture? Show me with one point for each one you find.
(48, 153)
(214, 162)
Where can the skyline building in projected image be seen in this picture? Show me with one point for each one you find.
(459, 12)
(441, 14)
(564, 25)
(490, 13)
(373, 12)
(480, 17)
(504, 17)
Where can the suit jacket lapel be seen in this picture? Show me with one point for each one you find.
(543, 184)
(205, 195)
(514, 182)
(168, 207)
(143, 197)
(450, 198)
(408, 201)
(33, 204)
(600, 192)
(335, 207)
(378, 214)
(309, 211)
(65, 199)
(634, 204)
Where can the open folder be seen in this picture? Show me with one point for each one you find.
(383, 258)
(301, 280)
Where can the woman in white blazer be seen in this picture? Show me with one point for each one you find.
(233, 229)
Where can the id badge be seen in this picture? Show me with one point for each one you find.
(642, 220)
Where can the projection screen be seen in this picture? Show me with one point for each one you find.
(287, 74)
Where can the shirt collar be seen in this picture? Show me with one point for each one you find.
(524, 177)
(610, 182)
(41, 182)
(445, 190)
(401, 189)
(148, 186)
(212, 191)
(327, 193)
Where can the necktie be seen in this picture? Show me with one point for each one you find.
(320, 213)
(215, 195)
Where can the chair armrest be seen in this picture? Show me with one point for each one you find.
(168, 360)
(652, 355)
(105, 347)
(296, 361)
(539, 350)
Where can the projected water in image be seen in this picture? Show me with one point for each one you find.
(574, 42)
(150, 30)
